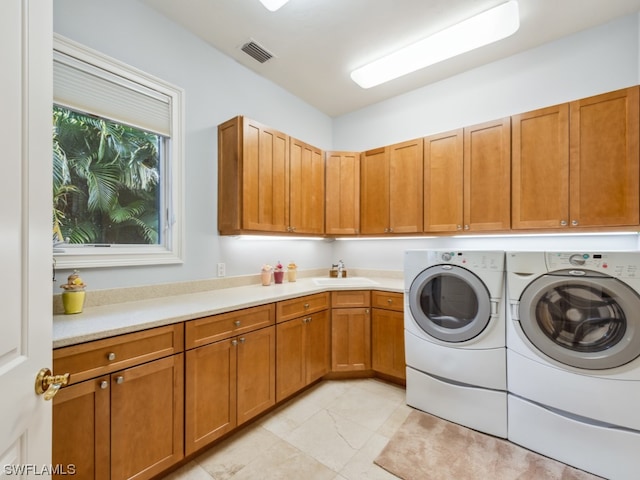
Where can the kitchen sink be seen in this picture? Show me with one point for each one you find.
(344, 282)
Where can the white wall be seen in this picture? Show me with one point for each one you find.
(602, 59)
(217, 88)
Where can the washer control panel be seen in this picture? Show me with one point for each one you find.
(616, 264)
(475, 260)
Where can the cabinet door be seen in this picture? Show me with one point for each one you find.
(265, 182)
(342, 196)
(387, 338)
(443, 182)
(540, 164)
(350, 339)
(290, 357)
(317, 342)
(210, 393)
(604, 159)
(81, 428)
(487, 176)
(306, 188)
(256, 373)
(147, 418)
(405, 187)
(374, 191)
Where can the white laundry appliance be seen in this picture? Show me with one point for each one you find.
(573, 356)
(455, 337)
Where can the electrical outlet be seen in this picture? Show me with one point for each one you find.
(222, 270)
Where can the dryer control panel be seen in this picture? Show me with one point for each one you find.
(615, 264)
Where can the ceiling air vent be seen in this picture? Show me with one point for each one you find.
(257, 52)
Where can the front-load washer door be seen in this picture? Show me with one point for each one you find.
(450, 303)
(582, 318)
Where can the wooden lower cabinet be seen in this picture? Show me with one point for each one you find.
(128, 424)
(81, 428)
(303, 352)
(387, 334)
(350, 339)
(227, 383)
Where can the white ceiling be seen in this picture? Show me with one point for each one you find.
(317, 43)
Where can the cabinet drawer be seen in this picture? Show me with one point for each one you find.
(387, 300)
(92, 359)
(218, 327)
(297, 307)
(350, 298)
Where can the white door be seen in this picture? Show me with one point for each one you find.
(25, 234)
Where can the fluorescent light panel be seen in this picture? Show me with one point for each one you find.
(483, 29)
(273, 5)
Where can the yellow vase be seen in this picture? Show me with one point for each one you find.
(73, 301)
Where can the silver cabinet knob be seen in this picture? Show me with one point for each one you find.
(111, 356)
(237, 323)
(574, 223)
(119, 379)
(563, 223)
(104, 385)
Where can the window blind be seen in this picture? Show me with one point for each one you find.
(81, 86)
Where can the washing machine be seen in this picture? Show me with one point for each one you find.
(455, 337)
(573, 357)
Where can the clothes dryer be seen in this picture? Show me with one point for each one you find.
(455, 336)
(573, 355)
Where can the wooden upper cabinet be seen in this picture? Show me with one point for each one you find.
(374, 191)
(540, 168)
(604, 159)
(342, 193)
(467, 178)
(253, 177)
(306, 188)
(443, 182)
(405, 187)
(391, 189)
(487, 176)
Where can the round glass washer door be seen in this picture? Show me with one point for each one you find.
(582, 319)
(450, 303)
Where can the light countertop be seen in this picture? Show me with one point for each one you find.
(108, 320)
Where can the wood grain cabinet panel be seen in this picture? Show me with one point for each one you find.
(129, 424)
(443, 182)
(253, 177)
(82, 429)
(467, 179)
(303, 352)
(540, 168)
(350, 339)
(88, 360)
(391, 189)
(147, 418)
(342, 194)
(306, 188)
(387, 334)
(604, 158)
(229, 381)
(301, 306)
(487, 176)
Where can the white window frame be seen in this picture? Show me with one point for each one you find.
(171, 251)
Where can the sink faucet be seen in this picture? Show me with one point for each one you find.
(340, 268)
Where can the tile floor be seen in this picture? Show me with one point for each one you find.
(333, 431)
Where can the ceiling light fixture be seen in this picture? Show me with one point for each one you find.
(273, 5)
(483, 29)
